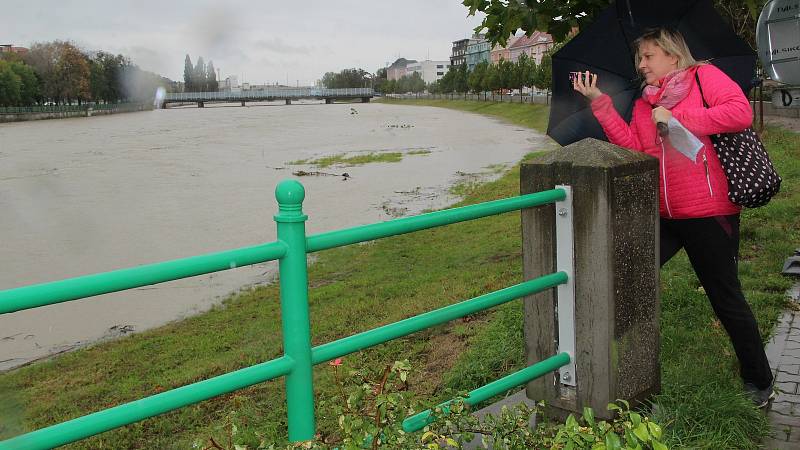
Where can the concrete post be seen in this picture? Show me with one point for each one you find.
(364, 99)
(617, 304)
(200, 105)
(328, 101)
(288, 101)
(242, 102)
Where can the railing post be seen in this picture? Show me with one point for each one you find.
(614, 195)
(294, 309)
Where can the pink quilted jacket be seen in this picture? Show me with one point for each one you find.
(688, 189)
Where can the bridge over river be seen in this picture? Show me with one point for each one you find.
(268, 95)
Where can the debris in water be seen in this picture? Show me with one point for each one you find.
(303, 173)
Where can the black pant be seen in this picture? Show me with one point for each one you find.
(712, 244)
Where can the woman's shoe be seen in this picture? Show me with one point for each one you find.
(760, 397)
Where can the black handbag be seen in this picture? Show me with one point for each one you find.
(752, 181)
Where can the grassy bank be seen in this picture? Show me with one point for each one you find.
(342, 159)
(359, 287)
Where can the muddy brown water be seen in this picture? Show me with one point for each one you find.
(87, 195)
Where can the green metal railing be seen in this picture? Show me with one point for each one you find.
(299, 357)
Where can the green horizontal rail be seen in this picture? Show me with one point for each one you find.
(341, 347)
(419, 421)
(103, 283)
(405, 225)
(291, 249)
(92, 424)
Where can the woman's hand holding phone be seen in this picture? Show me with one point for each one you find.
(586, 84)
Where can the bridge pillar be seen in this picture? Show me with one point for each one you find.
(200, 105)
(328, 101)
(242, 102)
(288, 101)
(616, 276)
(364, 99)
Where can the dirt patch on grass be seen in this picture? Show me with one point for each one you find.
(444, 349)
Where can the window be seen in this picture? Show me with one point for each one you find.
(438, 74)
(439, 66)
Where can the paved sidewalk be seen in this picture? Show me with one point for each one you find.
(783, 352)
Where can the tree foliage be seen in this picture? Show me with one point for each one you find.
(558, 17)
(347, 78)
(58, 72)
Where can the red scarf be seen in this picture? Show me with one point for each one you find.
(671, 90)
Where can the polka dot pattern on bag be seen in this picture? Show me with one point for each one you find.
(752, 181)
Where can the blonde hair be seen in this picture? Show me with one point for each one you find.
(671, 42)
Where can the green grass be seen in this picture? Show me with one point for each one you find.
(360, 287)
(524, 114)
(358, 160)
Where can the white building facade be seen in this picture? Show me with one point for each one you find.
(431, 71)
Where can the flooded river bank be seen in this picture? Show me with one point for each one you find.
(81, 196)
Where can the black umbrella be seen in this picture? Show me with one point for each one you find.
(606, 48)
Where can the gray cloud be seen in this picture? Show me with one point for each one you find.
(263, 41)
(277, 45)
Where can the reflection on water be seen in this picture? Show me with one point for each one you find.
(82, 195)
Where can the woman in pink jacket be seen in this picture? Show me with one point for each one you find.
(696, 214)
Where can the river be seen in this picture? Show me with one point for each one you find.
(88, 195)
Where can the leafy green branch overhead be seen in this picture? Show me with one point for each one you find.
(558, 17)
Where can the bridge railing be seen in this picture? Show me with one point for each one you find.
(291, 249)
(260, 94)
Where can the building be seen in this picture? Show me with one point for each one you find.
(9, 48)
(459, 54)
(229, 84)
(477, 53)
(498, 52)
(431, 71)
(534, 46)
(398, 69)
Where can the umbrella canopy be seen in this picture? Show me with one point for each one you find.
(606, 48)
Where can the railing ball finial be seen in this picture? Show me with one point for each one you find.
(290, 195)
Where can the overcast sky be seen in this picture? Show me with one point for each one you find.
(260, 41)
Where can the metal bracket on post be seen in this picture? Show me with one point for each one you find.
(565, 262)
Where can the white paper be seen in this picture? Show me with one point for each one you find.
(683, 140)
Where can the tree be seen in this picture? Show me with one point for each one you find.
(544, 76)
(347, 78)
(211, 78)
(10, 85)
(98, 85)
(199, 75)
(29, 88)
(475, 79)
(491, 81)
(529, 75)
(525, 68)
(73, 71)
(461, 74)
(188, 71)
(557, 17)
(505, 70)
(447, 82)
(43, 58)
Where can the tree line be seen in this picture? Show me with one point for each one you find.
(347, 78)
(503, 76)
(506, 75)
(59, 73)
(200, 77)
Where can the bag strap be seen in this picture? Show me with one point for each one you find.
(697, 78)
